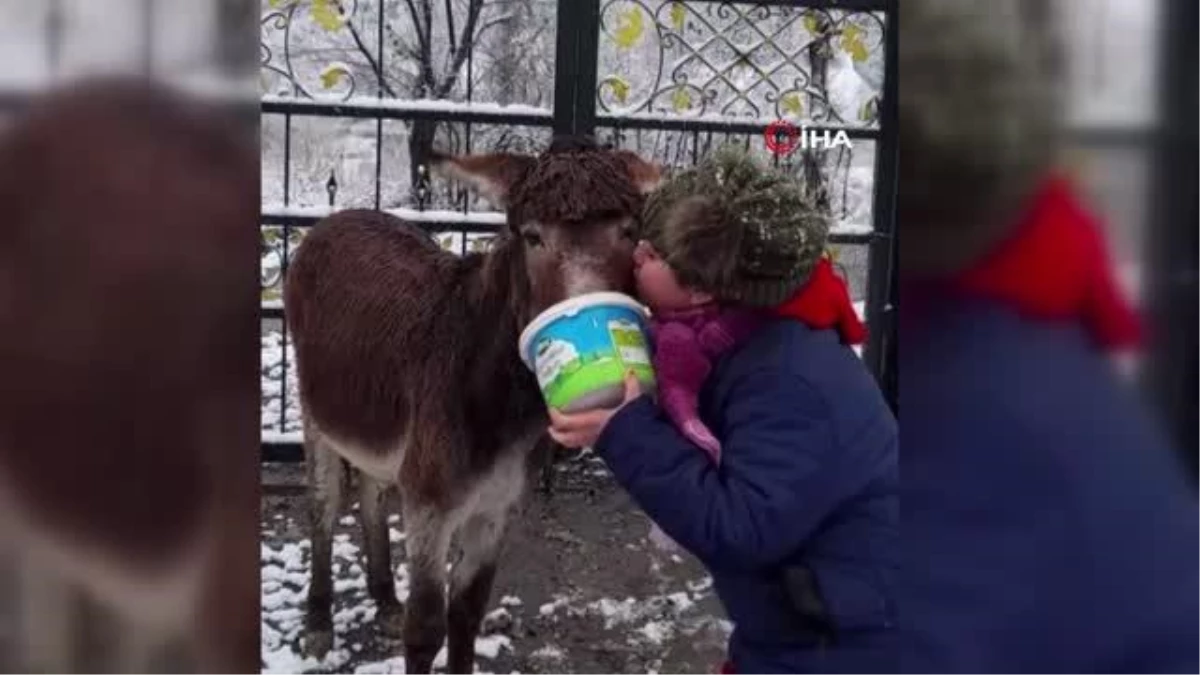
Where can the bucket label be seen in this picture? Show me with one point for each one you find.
(631, 346)
(553, 358)
(585, 354)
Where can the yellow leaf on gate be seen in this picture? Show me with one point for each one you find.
(681, 100)
(869, 110)
(620, 89)
(331, 75)
(811, 23)
(326, 15)
(792, 104)
(853, 45)
(630, 27)
(678, 14)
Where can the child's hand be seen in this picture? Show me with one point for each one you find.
(581, 430)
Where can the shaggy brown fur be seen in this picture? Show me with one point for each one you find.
(128, 415)
(408, 365)
(572, 182)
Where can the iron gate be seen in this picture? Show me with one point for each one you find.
(737, 68)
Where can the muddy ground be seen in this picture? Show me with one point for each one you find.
(580, 589)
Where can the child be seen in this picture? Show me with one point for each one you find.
(689, 328)
(798, 522)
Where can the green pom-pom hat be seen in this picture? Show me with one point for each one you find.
(741, 231)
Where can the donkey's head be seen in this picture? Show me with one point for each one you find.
(571, 213)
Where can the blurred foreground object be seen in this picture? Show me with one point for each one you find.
(129, 405)
(1172, 291)
(1047, 524)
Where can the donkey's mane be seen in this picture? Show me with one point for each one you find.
(573, 181)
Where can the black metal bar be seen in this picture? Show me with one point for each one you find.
(379, 42)
(722, 126)
(890, 379)
(287, 159)
(881, 312)
(1172, 293)
(288, 452)
(587, 58)
(427, 224)
(379, 120)
(565, 71)
(468, 227)
(847, 5)
(315, 109)
(283, 336)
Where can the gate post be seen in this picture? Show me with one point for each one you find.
(881, 347)
(1170, 267)
(576, 63)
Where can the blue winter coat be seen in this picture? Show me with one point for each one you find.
(1046, 525)
(806, 490)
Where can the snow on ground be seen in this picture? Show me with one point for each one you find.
(275, 400)
(580, 589)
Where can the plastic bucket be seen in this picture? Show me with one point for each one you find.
(581, 348)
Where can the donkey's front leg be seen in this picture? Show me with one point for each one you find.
(381, 582)
(325, 482)
(427, 543)
(471, 585)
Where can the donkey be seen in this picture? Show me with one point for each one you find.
(128, 413)
(409, 371)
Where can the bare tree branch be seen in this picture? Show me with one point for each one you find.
(464, 50)
(412, 11)
(427, 51)
(494, 22)
(450, 26)
(362, 47)
(423, 46)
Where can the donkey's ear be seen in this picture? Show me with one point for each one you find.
(647, 176)
(492, 175)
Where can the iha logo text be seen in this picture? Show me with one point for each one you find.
(784, 138)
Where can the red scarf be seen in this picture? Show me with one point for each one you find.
(824, 302)
(1055, 267)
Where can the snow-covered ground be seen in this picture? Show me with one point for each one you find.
(579, 590)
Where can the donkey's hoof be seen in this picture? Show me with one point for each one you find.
(318, 642)
(390, 619)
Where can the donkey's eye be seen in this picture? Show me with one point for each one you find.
(630, 230)
(532, 238)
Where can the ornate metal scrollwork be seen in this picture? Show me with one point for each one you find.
(280, 18)
(734, 59)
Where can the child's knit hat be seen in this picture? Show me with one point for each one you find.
(979, 113)
(745, 233)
